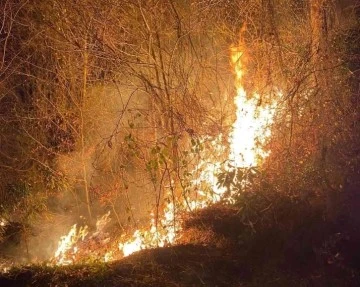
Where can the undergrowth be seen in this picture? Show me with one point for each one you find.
(264, 239)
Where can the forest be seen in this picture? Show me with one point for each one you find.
(180, 143)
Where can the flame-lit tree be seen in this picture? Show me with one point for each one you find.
(301, 50)
(156, 54)
(104, 99)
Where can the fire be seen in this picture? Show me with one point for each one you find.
(68, 246)
(251, 128)
(156, 236)
(249, 133)
(65, 253)
(205, 174)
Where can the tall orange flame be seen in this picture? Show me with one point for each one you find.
(251, 128)
(249, 133)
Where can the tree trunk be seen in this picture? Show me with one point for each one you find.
(82, 131)
(322, 63)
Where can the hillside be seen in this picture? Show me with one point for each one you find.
(180, 143)
(295, 251)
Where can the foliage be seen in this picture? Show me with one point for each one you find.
(103, 103)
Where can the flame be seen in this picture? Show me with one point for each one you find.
(205, 173)
(248, 135)
(156, 236)
(133, 245)
(65, 253)
(68, 244)
(101, 223)
(251, 128)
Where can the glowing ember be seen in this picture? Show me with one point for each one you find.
(109, 256)
(3, 222)
(6, 269)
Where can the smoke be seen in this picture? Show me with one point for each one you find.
(115, 180)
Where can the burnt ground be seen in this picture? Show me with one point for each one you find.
(219, 247)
